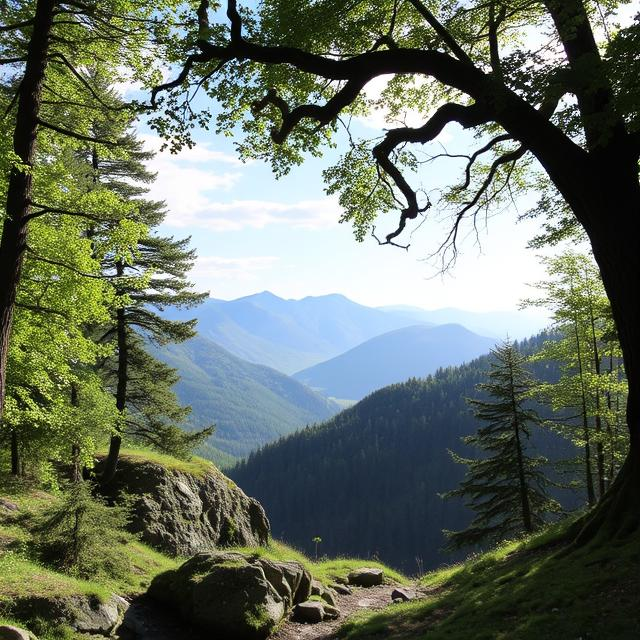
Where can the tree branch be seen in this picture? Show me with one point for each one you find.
(43, 210)
(442, 31)
(467, 116)
(73, 134)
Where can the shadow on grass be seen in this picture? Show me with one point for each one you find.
(522, 591)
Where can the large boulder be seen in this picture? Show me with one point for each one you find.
(83, 613)
(366, 577)
(234, 595)
(183, 514)
(8, 632)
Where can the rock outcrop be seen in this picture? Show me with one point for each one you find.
(235, 595)
(183, 514)
(84, 614)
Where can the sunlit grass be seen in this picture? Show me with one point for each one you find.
(325, 570)
(523, 590)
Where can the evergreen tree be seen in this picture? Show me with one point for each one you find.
(506, 487)
(149, 277)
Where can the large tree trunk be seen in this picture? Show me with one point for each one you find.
(610, 217)
(111, 463)
(14, 231)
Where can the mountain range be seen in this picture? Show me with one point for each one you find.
(233, 373)
(415, 351)
(292, 335)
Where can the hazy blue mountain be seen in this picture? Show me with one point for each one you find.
(497, 324)
(392, 357)
(289, 335)
(250, 404)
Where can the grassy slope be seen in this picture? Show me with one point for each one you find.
(521, 591)
(21, 575)
(325, 570)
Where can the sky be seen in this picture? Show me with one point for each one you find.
(254, 233)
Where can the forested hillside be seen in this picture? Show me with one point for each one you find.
(393, 357)
(250, 404)
(368, 481)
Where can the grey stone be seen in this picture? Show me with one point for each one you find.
(8, 505)
(311, 611)
(182, 514)
(7, 632)
(342, 589)
(331, 612)
(95, 617)
(316, 588)
(232, 594)
(366, 577)
(84, 614)
(401, 594)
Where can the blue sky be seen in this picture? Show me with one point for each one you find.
(254, 233)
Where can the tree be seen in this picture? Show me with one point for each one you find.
(150, 276)
(506, 487)
(48, 45)
(588, 388)
(563, 98)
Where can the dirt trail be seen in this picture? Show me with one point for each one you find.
(371, 598)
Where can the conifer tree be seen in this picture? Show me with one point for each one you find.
(145, 280)
(506, 487)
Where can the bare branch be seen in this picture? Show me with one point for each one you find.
(324, 114)
(487, 147)
(467, 116)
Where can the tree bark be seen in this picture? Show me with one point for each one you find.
(15, 454)
(111, 463)
(76, 471)
(14, 231)
(609, 214)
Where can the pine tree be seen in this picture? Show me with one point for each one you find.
(147, 278)
(506, 487)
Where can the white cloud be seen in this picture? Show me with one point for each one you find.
(208, 269)
(256, 214)
(202, 152)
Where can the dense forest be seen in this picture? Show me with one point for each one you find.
(368, 482)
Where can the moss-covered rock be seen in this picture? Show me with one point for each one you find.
(235, 595)
(182, 513)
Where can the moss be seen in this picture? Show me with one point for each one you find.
(194, 466)
(258, 618)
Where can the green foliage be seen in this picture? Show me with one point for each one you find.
(592, 388)
(506, 486)
(83, 536)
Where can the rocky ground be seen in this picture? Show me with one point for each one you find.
(362, 598)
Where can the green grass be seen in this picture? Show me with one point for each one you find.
(522, 590)
(325, 570)
(194, 466)
(22, 575)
